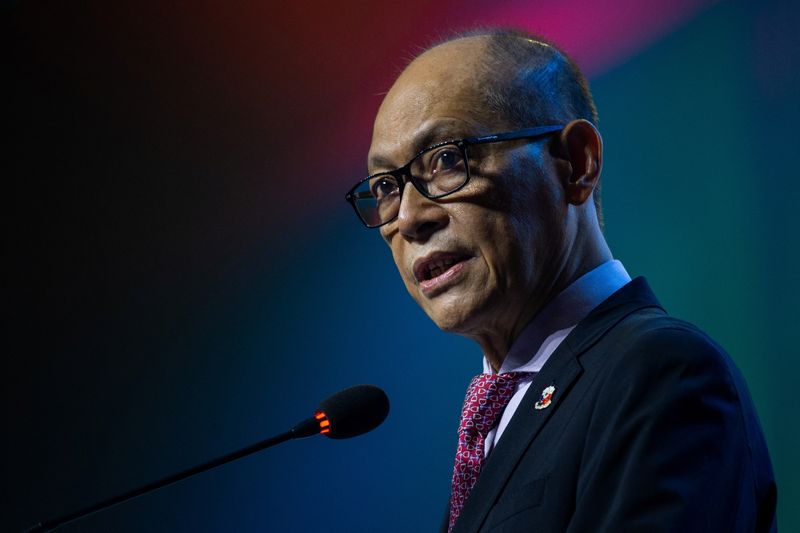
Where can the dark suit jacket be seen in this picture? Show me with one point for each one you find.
(651, 428)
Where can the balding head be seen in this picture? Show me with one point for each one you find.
(525, 80)
(483, 258)
(440, 82)
(519, 80)
(530, 81)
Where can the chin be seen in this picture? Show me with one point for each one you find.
(448, 325)
(454, 318)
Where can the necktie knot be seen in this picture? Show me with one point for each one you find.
(487, 397)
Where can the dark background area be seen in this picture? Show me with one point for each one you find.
(183, 276)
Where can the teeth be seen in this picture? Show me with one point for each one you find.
(439, 267)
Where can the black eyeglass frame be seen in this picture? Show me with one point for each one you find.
(403, 174)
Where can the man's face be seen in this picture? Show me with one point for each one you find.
(481, 261)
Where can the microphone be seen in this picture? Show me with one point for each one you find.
(348, 413)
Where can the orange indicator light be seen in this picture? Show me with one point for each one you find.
(324, 423)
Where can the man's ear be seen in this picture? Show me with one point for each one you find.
(582, 147)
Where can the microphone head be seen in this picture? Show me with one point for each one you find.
(352, 411)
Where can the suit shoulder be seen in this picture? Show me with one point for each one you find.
(667, 402)
(661, 356)
(652, 342)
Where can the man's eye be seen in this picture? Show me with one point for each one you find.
(447, 159)
(383, 187)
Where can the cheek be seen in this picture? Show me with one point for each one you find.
(511, 254)
(397, 255)
(521, 235)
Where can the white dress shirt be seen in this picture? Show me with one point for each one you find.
(544, 333)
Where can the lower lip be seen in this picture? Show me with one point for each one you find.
(433, 286)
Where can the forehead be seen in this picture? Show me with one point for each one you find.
(436, 98)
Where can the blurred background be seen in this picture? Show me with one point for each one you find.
(184, 278)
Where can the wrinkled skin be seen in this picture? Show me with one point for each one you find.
(524, 224)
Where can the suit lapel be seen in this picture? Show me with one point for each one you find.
(561, 370)
(521, 430)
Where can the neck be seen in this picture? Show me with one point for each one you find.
(496, 342)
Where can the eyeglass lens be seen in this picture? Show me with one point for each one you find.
(435, 173)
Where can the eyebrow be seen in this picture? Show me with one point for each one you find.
(438, 133)
(378, 161)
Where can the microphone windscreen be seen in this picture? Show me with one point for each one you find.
(354, 411)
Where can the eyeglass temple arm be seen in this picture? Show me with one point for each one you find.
(519, 134)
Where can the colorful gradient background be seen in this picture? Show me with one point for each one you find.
(184, 277)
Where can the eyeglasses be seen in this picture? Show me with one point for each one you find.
(436, 171)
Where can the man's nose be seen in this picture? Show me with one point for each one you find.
(419, 217)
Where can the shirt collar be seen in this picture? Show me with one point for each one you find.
(553, 323)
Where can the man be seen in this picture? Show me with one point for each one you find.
(596, 411)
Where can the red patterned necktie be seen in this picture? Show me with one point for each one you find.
(487, 397)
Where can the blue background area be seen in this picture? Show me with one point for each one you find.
(119, 374)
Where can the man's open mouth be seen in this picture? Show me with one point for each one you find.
(436, 264)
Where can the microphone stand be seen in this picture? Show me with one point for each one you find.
(306, 428)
